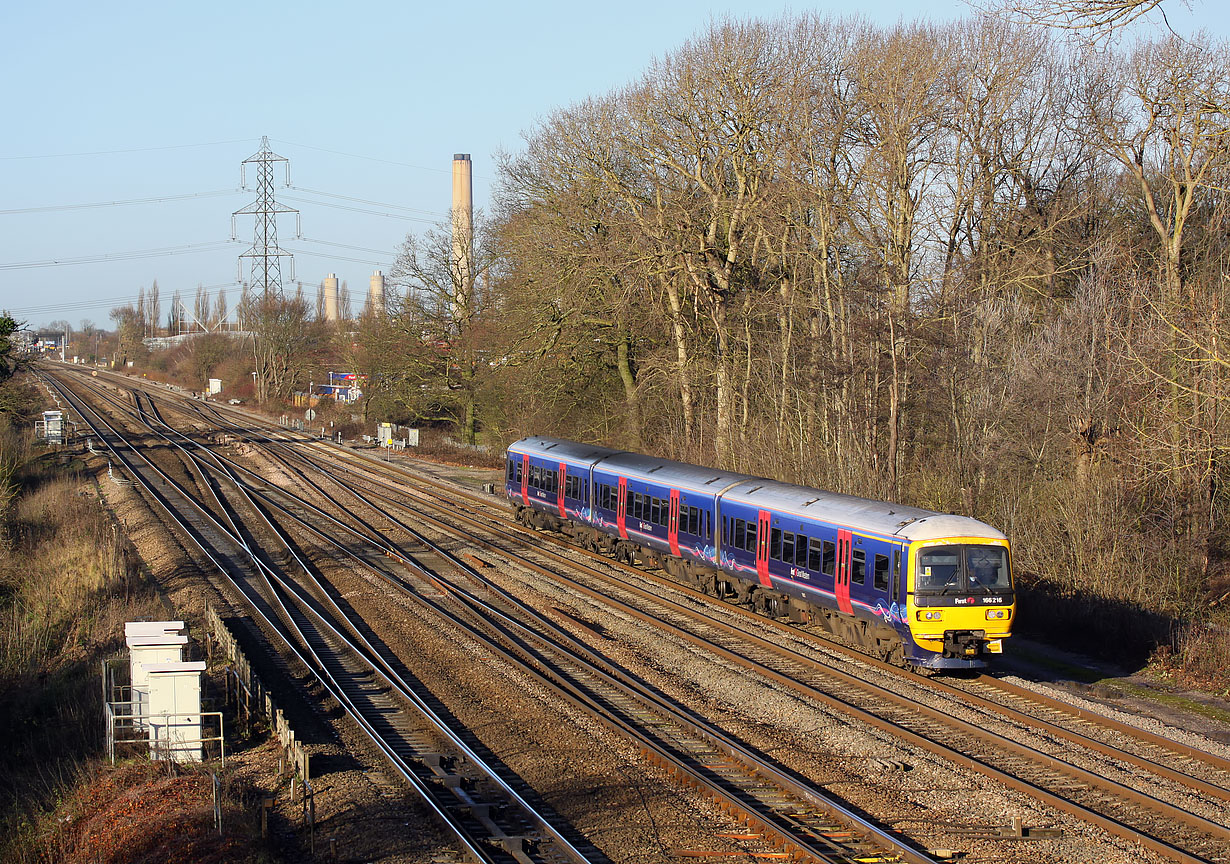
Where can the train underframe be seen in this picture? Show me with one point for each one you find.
(876, 639)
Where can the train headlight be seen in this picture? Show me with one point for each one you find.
(997, 614)
(930, 615)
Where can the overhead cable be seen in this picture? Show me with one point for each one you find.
(158, 200)
(358, 209)
(365, 201)
(129, 150)
(120, 256)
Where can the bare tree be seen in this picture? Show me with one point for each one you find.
(153, 309)
(443, 304)
(1089, 20)
(285, 342)
(201, 307)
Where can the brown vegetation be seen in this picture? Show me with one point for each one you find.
(952, 265)
(69, 579)
(963, 266)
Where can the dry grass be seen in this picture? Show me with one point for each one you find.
(67, 584)
(136, 812)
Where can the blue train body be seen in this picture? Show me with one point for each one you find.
(914, 586)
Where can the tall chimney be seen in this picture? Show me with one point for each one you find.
(331, 297)
(463, 230)
(375, 293)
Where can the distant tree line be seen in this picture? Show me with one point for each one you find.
(963, 266)
(956, 265)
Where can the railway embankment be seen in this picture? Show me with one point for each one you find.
(70, 576)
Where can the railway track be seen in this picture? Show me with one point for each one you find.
(979, 730)
(488, 820)
(784, 809)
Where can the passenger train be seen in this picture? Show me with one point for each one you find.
(921, 589)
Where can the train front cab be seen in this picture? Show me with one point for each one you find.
(960, 601)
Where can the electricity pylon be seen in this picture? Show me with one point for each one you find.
(265, 254)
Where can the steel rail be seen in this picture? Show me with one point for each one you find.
(995, 706)
(580, 654)
(1112, 825)
(319, 670)
(370, 654)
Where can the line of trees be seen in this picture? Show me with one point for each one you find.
(961, 266)
(953, 264)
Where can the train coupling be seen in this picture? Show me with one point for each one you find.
(966, 644)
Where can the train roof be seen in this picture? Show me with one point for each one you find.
(864, 514)
(681, 475)
(558, 448)
(861, 514)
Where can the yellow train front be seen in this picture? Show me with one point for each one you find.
(960, 600)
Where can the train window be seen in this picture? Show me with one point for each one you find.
(708, 525)
(511, 472)
(800, 551)
(814, 554)
(896, 573)
(535, 473)
(788, 547)
(736, 535)
(518, 474)
(858, 567)
(881, 573)
(753, 535)
(553, 481)
(694, 520)
(655, 511)
(775, 544)
(829, 567)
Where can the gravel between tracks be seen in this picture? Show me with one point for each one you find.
(601, 785)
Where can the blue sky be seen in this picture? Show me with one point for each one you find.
(123, 102)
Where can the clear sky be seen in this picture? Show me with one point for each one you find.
(149, 109)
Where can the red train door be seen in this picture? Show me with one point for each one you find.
(842, 580)
(563, 475)
(672, 523)
(621, 508)
(762, 549)
(525, 478)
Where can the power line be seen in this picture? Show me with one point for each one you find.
(332, 257)
(359, 210)
(344, 246)
(365, 201)
(119, 256)
(130, 150)
(159, 200)
(98, 303)
(368, 158)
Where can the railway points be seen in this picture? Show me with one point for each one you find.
(405, 500)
